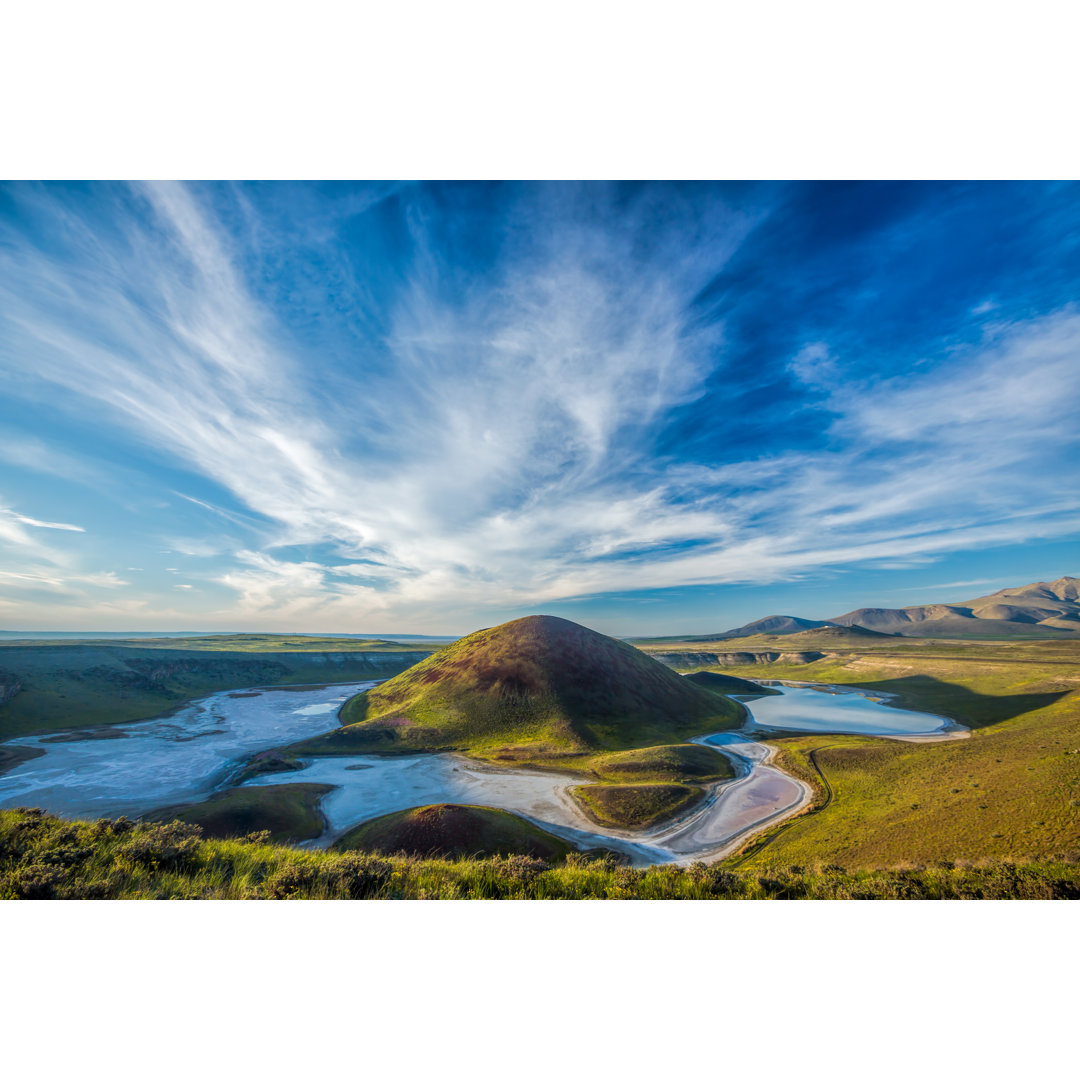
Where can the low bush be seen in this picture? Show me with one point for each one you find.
(44, 858)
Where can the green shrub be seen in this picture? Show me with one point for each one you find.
(42, 857)
(174, 846)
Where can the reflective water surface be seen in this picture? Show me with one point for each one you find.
(188, 755)
(840, 710)
(179, 758)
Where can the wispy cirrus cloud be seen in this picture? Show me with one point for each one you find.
(503, 437)
(23, 520)
(953, 585)
(12, 531)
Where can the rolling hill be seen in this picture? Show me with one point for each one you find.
(287, 812)
(447, 830)
(771, 624)
(729, 684)
(1041, 609)
(532, 689)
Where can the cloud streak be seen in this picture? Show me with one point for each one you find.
(23, 520)
(504, 439)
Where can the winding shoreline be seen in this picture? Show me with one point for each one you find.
(733, 811)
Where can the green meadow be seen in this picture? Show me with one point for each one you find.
(1009, 791)
(54, 686)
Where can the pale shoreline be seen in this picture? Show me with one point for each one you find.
(732, 812)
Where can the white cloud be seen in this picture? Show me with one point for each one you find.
(955, 585)
(814, 365)
(66, 582)
(12, 533)
(47, 524)
(507, 458)
(12, 576)
(102, 579)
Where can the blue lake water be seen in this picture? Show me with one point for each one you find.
(840, 710)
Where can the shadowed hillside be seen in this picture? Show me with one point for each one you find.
(283, 813)
(729, 684)
(771, 624)
(535, 687)
(446, 830)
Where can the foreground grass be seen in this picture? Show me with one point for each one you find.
(42, 857)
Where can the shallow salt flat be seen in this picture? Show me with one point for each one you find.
(760, 794)
(189, 755)
(174, 759)
(383, 785)
(839, 710)
(370, 786)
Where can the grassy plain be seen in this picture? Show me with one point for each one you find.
(452, 831)
(42, 857)
(53, 686)
(1011, 790)
(285, 813)
(231, 643)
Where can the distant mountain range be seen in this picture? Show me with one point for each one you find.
(1050, 608)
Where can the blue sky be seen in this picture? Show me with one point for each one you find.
(652, 408)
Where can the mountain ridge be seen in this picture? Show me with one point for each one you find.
(1050, 608)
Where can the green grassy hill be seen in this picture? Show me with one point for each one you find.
(636, 806)
(286, 813)
(538, 690)
(446, 830)
(729, 684)
(681, 761)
